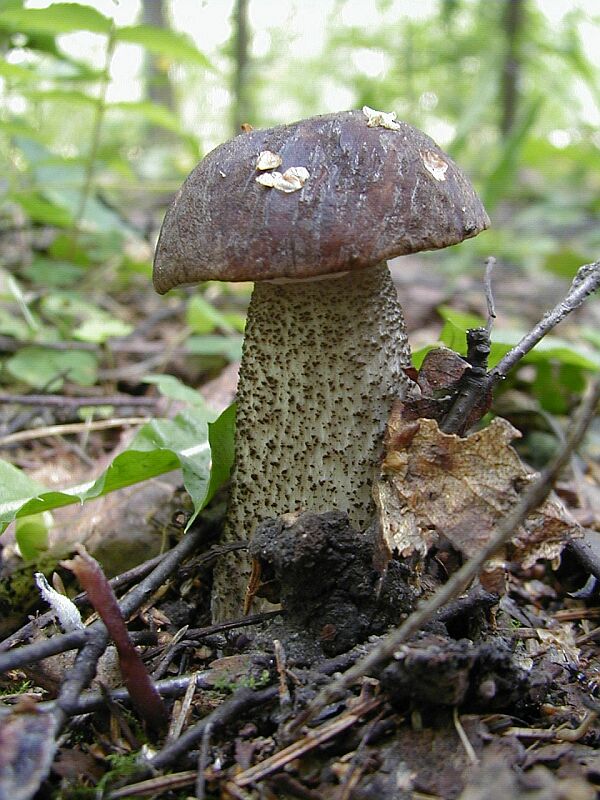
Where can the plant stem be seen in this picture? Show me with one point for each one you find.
(90, 161)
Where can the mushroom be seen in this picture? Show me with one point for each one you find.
(325, 345)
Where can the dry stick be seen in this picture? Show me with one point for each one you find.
(425, 611)
(64, 401)
(585, 283)
(240, 702)
(61, 643)
(490, 263)
(72, 427)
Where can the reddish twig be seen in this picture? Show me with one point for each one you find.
(143, 693)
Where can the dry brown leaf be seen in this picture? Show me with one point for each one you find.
(436, 485)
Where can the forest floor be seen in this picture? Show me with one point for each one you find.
(497, 696)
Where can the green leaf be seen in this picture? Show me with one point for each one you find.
(565, 262)
(31, 534)
(48, 369)
(99, 330)
(221, 435)
(47, 272)
(69, 96)
(171, 387)
(202, 317)
(57, 18)
(160, 446)
(229, 347)
(43, 211)
(157, 115)
(16, 484)
(13, 326)
(163, 42)
(14, 72)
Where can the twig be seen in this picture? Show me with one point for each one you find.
(560, 734)
(156, 786)
(476, 382)
(359, 761)
(314, 738)
(146, 699)
(64, 401)
(464, 739)
(586, 556)
(239, 703)
(179, 717)
(490, 263)
(169, 687)
(285, 699)
(60, 643)
(585, 283)
(476, 599)
(118, 582)
(174, 687)
(203, 762)
(221, 627)
(72, 427)
(425, 611)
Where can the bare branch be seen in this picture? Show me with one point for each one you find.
(585, 283)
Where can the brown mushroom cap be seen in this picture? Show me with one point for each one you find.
(372, 194)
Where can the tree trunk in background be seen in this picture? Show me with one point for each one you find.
(241, 106)
(156, 69)
(512, 23)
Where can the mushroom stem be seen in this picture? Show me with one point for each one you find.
(322, 363)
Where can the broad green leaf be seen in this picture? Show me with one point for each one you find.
(100, 330)
(157, 115)
(14, 72)
(14, 326)
(76, 317)
(42, 368)
(229, 347)
(60, 96)
(565, 262)
(47, 272)
(202, 317)
(40, 210)
(16, 484)
(169, 386)
(163, 42)
(159, 447)
(57, 18)
(221, 435)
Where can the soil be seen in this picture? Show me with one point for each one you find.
(496, 698)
